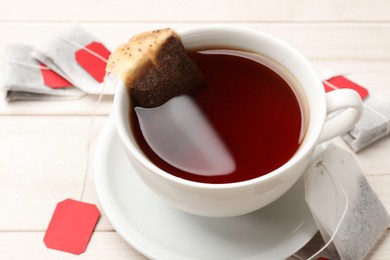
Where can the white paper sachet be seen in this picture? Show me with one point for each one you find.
(347, 211)
(77, 56)
(22, 77)
(374, 123)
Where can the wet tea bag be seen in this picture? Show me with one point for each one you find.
(349, 215)
(160, 77)
(375, 121)
(181, 135)
(77, 56)
(24, 78)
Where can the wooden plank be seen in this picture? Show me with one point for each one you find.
(372, 158)
(89, 191)
(108, 245)
(43, 161)
(86, 106)
(30, 188)
(29, 245)
(201, 10)
(360, 49)
(362, 42)
(374, 75)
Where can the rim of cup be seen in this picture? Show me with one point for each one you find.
(309, 142)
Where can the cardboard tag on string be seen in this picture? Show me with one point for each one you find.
(339, 82)
(93, 58)
(71, 226)
(52, 79)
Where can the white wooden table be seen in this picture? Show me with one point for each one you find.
(43, 145)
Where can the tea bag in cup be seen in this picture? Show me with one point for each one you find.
(24, 78)
(180, 134)
(77, 56)
(349, 215)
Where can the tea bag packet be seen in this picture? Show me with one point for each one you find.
(375, 121)
(348, 213)
(24, 78)
(374, 124)
(77, 56)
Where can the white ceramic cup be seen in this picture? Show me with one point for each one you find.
(232, 199)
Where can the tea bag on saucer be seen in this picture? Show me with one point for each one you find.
(77, 56)
(349, 215)
(24, 78)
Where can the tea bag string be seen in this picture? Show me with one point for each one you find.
(25, 64)
(89, 140)
(340, 221)
(97, 55)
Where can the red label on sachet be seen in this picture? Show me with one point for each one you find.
(339, 82)
(52, 79)
(93, 59)
(71, 226)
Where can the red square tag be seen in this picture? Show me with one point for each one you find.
(93, 59)
(342, 82)
(52, 79)
(71, 226)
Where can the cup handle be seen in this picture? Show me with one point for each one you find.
(349, 105)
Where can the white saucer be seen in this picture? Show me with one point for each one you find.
(160, 231)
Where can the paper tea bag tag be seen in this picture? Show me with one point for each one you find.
(339, 82)
(52, 79)
(346, 209)
(93, 58)
(71, 226)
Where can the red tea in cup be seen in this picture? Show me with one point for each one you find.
(270, 111)
(252, 104)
